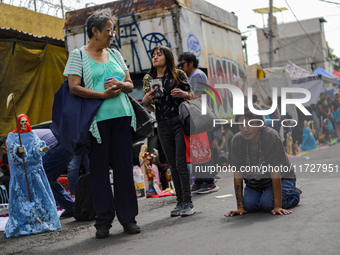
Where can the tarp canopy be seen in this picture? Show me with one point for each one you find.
(297, 72)
(301, 78)
(336, 73)
(327, 77)
(33, 72)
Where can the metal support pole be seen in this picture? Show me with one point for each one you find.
(270, 34)
(62, 9)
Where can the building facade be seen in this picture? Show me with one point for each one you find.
(301, 42)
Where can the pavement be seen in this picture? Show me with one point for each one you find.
(312, 228)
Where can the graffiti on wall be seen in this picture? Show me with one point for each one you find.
(193, 45)
(222, 70)
(119, 8)
(130, 37)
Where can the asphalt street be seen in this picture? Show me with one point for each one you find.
(312, 228)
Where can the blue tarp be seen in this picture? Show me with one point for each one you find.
(323, 72)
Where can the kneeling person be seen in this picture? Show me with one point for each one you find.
(258, 155)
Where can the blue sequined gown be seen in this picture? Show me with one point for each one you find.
(308, 141)
(25, 217)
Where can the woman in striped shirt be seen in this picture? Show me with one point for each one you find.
(111, 142)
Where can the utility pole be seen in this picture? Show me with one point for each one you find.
(35, 6)
(270, 34)
(62, 8)
(244, 46)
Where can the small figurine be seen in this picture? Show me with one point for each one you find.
(296, 148)
(168, 180)
(308, 140)
(32, 208)
(289, 143)
(150, 175)
(150, 171)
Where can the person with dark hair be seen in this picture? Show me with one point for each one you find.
(259, 158)
(204, 182)
(111, 138)
(176, 89)
(256, 101)
(323, 112)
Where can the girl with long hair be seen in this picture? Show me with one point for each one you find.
(175, 90)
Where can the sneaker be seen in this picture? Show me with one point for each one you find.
(177, 210)
(188, 209)
(131, 228)
(195, 188)
(102, 231)
(207, 188)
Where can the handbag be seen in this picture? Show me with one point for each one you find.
(192, 119)
(72, 117)
(197, 148)
(145, 122)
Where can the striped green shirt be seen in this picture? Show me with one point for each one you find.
(75, 65)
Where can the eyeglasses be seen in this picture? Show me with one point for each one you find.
(111, 31)
(180, 65)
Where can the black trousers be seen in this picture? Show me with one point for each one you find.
(115, 151)
(171, 137)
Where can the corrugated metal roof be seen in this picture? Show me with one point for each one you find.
(14, 33)
(12, 30)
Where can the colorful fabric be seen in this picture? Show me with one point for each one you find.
(308, 141)
(25, 217)
(33, 72)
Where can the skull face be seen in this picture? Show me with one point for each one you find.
(23, 123)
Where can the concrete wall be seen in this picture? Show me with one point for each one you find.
(292, 43)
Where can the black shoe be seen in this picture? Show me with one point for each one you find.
(195, 188)
(131, 228)
(66, 214)
(208, 188)
(102, 231)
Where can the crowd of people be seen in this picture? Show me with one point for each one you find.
(111, 145)
(323, 128)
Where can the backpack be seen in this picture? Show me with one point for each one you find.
(83, 209)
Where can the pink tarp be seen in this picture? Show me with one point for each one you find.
(336, 73)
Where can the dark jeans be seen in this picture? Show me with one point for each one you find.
(254, 201)
(115, 151)
(171, 137)
(73, 171)
(55, 162)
